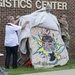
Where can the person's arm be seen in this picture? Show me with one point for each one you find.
(16, 27)
(23, 26)
(16, 21)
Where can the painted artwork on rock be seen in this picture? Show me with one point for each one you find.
(47, 48)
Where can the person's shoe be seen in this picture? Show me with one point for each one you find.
(7, 67)
(14, 67)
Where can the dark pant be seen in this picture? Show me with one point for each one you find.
(13, 51)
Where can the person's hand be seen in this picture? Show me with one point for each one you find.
(23, 26)
(26, 22)
(17, 17)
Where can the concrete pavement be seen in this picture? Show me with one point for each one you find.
(61, 72)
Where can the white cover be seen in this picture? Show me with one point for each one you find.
(38, 18)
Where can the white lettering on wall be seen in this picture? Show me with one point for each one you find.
(22, 5)
(38, 4)
(53, 4)
(64, 5)
(8, 3)
(29, 4)
(0, 3)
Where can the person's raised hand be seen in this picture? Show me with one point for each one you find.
(26, 22)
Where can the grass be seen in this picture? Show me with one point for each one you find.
(25, 70)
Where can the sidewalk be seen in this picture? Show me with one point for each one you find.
(61, 72)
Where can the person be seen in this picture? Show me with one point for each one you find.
(64, 30)
(11, 40)
(50, 11)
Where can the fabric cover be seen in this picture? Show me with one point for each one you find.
(38, 18)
